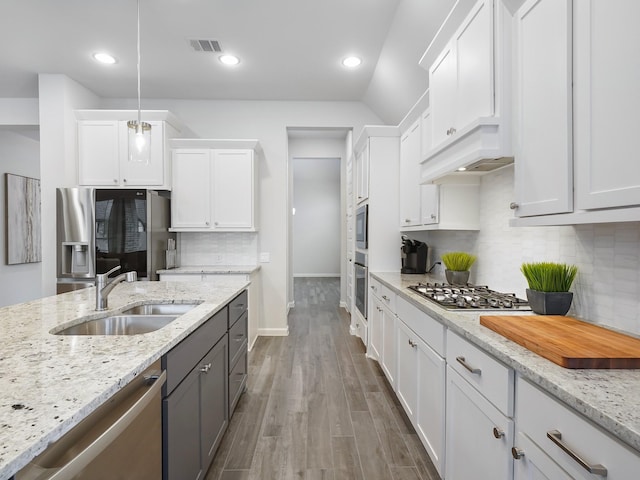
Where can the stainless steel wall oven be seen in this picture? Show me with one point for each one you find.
(361, 274)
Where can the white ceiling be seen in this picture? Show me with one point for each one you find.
(289, 49)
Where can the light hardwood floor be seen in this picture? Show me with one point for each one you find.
(316, 407)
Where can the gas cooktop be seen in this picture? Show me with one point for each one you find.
(469, 297)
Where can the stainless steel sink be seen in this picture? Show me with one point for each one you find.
(120, 325)
(160, 309)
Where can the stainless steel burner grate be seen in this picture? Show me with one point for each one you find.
(469, 297)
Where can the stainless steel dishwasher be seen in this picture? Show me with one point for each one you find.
(122, 439)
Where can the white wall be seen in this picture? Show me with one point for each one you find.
(268, 122)
(202, 248)
(317, 220)
(19, 155)
(607, 287)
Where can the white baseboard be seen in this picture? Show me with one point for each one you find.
(273, 332)
(343, 305)
(250, 346)
(316, 275)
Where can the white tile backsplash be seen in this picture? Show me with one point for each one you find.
(205, 248)
(607, 288)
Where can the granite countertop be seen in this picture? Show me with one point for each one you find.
(221, 269)
(49, 383)
(607, 397)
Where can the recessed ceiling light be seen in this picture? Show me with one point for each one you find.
(462, 169)
(229, 59)
(104, 58)
(351, 62)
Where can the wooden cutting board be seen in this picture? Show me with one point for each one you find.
(568, 342)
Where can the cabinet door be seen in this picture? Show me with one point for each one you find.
(389, 345)
(607, 75)
(425, 136)
(233, 184)
(473, 45)
(471, 443)
(191, 200)
(543, 161)
(362, 174)
(375, 328)
(98, 153)
(213, 400)
(534, 464)
(141, 173)
(442, 95)
(430, 204)
(181, 411)
(410, 176)
(407, 386)
(430, 411)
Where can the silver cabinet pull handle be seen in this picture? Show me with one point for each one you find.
(475, 371)
(556, 437)
(384, 297)
(514, 206)
(498, 432)
(206, 368)
(433, 216)
(413, 344)
(517, 453)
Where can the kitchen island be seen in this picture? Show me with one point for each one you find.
(605, 397)
(49, 383)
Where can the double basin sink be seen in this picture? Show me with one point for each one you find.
(133, 321)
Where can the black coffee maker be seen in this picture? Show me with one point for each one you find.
(414, 256)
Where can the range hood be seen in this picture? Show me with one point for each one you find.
(481, 147)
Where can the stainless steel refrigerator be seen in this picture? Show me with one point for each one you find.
(98, 229)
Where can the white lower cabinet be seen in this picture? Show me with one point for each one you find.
(382, 329)
(375, 329)
(479, 436)
(420, 386)
(565, 441)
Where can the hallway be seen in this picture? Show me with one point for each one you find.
(316, 407)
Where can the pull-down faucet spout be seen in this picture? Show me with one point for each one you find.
(104, 285)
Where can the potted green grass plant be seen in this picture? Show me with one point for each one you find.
(549, 285)
(457, 265)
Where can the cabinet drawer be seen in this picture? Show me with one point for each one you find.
(179, 361)
(384, 293)
(237, 382)
(429, 330)
(541, 418)
(490, 377)
(238, 340)
(237, 307)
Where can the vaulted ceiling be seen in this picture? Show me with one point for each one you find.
(288, 49)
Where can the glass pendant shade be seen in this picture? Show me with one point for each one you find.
(139, 142)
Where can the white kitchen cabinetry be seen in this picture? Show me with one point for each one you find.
(606, 121)
(103, 149)
(420, 377)
(480, 403)
(543, 139)
(461, 79)
(382, 328)
(559, 440)
(469, 77)
(214, 189)
(362, 174)
(451, 204)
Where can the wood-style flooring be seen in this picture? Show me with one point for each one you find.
(316, 407)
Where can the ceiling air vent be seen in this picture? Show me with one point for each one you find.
(207, 46)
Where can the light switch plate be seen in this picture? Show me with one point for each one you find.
(265, 257)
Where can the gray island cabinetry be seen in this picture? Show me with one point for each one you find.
(202, 388)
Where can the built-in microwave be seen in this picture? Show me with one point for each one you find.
(362, 218)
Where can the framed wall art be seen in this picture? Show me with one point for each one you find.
(23, 234)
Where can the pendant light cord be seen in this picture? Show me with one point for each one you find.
(139, 105)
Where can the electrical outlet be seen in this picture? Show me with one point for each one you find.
(265, 257)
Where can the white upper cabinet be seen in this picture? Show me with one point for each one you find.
(103, 149)
(543, 143)
(469, 75)
(606, 79)
(362, 173)
(214, 188)
(410, 177)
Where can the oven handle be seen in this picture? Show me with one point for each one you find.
(80, 461)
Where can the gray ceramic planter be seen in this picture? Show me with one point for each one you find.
(549, 303)
(456, 277)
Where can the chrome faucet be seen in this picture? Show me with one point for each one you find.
(104, 286)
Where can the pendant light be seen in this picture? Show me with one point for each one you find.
(139, 131)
